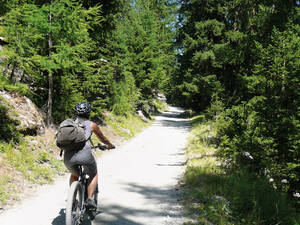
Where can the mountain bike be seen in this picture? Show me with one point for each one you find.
(76, 210)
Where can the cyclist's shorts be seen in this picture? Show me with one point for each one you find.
(82, 157)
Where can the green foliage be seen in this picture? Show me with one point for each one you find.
(223, 196)
(126, 125)
(125, 96)
(28, 29)
(38, 166)
(160, 106)
(4, 182)
(205, 45)
(8, 130)
(6, 84)
(113, 54)
(268, 124)
(257, 201)
(141, 55)
(239, 60)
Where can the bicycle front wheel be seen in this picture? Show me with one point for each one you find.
(74, 210)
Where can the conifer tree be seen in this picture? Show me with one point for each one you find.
(204, 45)
(141, 49)
(244, 54)
(28, 29)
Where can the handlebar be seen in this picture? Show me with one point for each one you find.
(102, 147)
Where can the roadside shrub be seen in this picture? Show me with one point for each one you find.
(255, 201)
(267, 124)
(230, 195)
(7, 125)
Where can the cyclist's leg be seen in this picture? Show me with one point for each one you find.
(91, 170)
(90, 167)
(72, 166)
(92, 185)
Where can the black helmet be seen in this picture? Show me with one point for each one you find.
(83, 109)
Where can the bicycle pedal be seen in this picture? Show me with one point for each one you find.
(91, 208)
(91, 215)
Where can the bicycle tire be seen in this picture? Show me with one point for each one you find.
(74, 204)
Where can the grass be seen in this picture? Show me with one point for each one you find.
(30, 161)
(24, 159)
(160, 106)
(214, 195)
(4, 183)
(37, 166)
(126, 126)
(129, 125)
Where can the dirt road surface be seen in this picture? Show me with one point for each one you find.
(138, 182)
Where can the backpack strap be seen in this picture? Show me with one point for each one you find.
(89, 138)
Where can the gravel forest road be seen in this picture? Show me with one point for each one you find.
(138, 182)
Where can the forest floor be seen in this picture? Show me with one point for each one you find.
(139, 182)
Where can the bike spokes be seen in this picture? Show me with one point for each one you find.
(77, 209)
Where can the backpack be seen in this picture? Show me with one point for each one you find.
(71, 135)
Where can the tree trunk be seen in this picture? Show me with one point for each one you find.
(12, 71)
(50, 97)
(50, 77)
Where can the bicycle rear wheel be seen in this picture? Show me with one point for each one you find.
(74, 214)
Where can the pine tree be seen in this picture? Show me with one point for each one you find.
(30, 35)
(141, 55)
(203, 43)
(245, 54)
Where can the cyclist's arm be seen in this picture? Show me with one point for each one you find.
(96, 129)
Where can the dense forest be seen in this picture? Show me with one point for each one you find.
(238, 61)
(114, 54)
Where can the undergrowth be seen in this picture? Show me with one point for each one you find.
(28, 161)
(37, 164)
(126, 126)
(4, 191)
(215, 195)
(23, 159)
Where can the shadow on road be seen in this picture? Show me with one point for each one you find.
(183, 125)
(115, 215)
(162, 196)
(61, 218)
(165, 199)
(171, 119)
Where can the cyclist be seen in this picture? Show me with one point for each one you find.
(84, 157)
